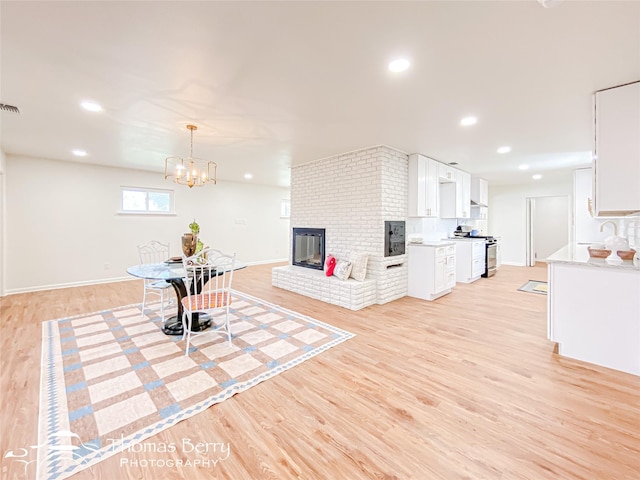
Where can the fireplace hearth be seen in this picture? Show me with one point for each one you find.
(308, 247)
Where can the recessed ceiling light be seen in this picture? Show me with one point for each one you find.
(79, 153)
(524, 167)
(399, 65)
(248, 176)
(91, 106)
(468, 121)
(505, 149)
(537, 176)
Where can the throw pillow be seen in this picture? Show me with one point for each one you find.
(343, 269)
(329, 265)
(359, 262)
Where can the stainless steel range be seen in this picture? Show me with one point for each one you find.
(491, 257)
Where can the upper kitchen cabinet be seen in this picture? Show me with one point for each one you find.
(464, 194)
(455, 197)
(423, 186)
(479, 191)
(437, 189)
(446, 173)
(616, 161)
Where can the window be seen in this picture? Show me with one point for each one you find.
(146, 200)
(285, 208)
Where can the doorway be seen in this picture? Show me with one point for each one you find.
(548, 226)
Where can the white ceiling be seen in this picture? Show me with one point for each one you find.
(274, 84)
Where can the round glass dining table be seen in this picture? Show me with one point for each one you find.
(174, 274)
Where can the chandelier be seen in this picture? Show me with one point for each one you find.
(190, 171)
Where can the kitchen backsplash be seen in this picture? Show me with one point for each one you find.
(629, 227)
(431, 229)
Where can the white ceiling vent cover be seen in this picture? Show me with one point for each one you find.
(9, 108)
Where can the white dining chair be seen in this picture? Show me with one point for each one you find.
(209, 275)
(155, 252)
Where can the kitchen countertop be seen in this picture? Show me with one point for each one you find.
(431, 243)
(579, 255)
(466, 239)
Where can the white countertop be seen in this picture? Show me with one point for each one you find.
(579, 255)
(467, 239)
(431, 243)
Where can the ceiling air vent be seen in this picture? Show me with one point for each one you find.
(9, 108)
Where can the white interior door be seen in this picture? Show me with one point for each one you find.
(530, 250)
(548, 226)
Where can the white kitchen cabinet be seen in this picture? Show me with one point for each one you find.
(455, 197)
(463, 204)
(479, 213)
(423, 189)
(479, 191)
(616, 162)
(446, 173)
(470, 257)
(432, 270)
(593, 309)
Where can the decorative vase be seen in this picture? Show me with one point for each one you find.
(189, 243)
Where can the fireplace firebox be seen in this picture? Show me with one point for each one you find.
(308, 247)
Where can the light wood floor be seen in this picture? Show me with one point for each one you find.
(466, 387)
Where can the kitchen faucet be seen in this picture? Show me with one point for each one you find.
(615, 226)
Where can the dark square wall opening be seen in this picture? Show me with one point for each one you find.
(308, 247)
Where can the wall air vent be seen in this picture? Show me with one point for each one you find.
(9, 108)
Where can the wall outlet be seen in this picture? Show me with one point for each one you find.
(106, 266)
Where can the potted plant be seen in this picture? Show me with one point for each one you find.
(190, 241)
(194, 227)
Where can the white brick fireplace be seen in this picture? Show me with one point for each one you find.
(350, 196)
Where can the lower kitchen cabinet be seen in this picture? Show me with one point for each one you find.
(432, 270)
(470, 257)
(593, 309)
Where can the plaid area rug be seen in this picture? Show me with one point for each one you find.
(112, 379)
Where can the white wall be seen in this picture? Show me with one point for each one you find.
(550, 225)
(62, 225)
(586, 227)
(507, 214)
(3, 216)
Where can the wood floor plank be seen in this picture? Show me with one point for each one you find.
(466, 387)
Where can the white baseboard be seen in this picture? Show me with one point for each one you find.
(514, 264)
(58, 286)
(264, 262)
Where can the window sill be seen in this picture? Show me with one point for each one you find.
(152, 214)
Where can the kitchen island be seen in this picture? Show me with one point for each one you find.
(593, 308)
